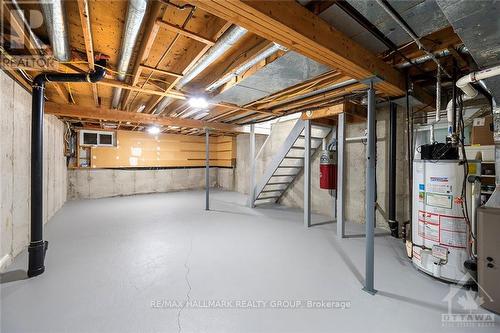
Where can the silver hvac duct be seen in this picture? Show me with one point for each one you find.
(135, 14)
(55, 22)
(440, 54)
(224, 43)
(243, 68)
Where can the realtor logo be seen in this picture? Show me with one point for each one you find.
(464, 306)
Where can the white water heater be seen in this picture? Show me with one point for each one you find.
(440, 233)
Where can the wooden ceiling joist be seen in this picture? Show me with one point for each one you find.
(293, 26)
(161, 71)
(83, 112)
(185, 32)
(119, 84)
(83, 9)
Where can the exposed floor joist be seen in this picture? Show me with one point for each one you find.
(293, 26)
(77, 111)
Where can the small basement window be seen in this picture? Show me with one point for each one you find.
(97, 138)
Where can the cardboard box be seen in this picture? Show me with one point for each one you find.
(482, 131)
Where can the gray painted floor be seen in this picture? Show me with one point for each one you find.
(110, 259)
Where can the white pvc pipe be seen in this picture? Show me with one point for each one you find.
(438, 94)
(464, 83)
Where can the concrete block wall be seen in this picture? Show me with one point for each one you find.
(101, 183)
(15, 122)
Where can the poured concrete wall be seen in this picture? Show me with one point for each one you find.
(15, 121)
(101, 183)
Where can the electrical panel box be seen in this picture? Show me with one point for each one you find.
(488, 257)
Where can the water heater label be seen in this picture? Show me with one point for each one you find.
(440, 252)
(439, 200)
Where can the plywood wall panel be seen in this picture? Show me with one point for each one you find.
(138, 149)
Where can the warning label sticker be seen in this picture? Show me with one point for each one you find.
(428, 226)
(450, 231)
(453, 231)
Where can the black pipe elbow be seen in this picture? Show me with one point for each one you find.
(39, 81)
(99, 72)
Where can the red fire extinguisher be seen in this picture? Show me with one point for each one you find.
(328, 170)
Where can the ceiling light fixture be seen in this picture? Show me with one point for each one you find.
(154, 130)
(198, 102)
(141, 108)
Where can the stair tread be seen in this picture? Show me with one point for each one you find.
(267, 191)
(264, 198)
(278, 183)
(291, 166)
(313, 137)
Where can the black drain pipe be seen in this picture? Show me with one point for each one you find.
(38, 247)
(393, 224)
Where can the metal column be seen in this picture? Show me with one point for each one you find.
(207, 169)
(340, 175)
(307, 173)
(370, 192)
(251, 199)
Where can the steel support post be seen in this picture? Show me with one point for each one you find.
(307, 173)
(251, 199)
(340, 175)
(207, 169)
(370, 192)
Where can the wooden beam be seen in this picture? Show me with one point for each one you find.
(334, 110)
(185, 32)
(150, 32)
(293, 26)
(324, 113)
(77, 111)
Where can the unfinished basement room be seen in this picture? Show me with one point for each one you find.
(269, 166)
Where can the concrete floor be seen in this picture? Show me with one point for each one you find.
(113, 264)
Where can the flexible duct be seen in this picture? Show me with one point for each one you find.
(224, 43)
(135, 15)
(55, 18)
